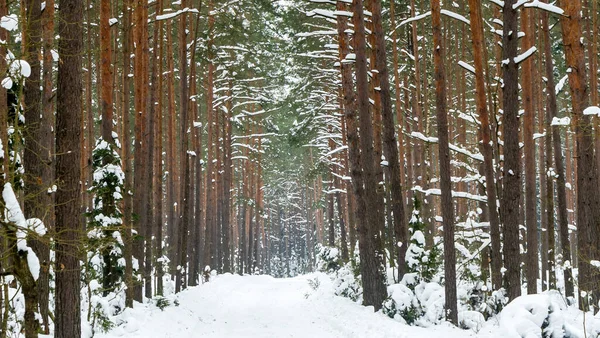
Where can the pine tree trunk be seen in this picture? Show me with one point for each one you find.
(390, 144)
(376, 118)
(67, 319)
(331, 216)
(486, 146)
(218, 232)
(370, 243)
(588, 201)
(543, 182)
(244, 217)
(330, 197)
(350, 211)
(409, 100)
(109, 271)
(200, 225)
(126, 155)
(194, 214)
(155, 159)
(141, 194)
(531, 257)
(88, 146)
(350, 114)
(106, 79)
(209, 243)
(511, 195)
(157, 193)
(416, 102)
(37, 160)
(180, 282)
(445, 179)
(397, 92)
(550, 197)
(172, 217)
(227, 180)
(258, 234)
(47, 120)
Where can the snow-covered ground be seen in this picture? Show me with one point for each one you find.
(263, 306)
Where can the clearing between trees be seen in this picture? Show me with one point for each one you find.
(263, 306)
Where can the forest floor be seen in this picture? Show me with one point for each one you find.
(263, 306)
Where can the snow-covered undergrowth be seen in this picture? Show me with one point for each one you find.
(543, 315)
(419, 302)
(418, 299)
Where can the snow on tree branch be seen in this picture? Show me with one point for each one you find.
(455, 194)
(525, 55)
(546, 7)
(466, 66)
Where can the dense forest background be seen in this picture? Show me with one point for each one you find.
(147, 146)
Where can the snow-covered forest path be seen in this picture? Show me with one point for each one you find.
(262, 306)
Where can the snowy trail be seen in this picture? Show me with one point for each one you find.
(262, 306)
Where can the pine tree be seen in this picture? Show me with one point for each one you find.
(68, 199)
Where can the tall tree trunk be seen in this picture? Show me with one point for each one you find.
(88, 145)
(48, 120)
(356, 199)
(106, 79)
(376, 111)
(67, 319)
(126, 155)
(543, 182)
(200, 225)
(110, 273)
(531, 258)
(38, 163)
(196, 133)
(417, 106)
(409, 99)
(588, 201)
(370, 242)
(397, 92)
(218, 200)
(180, 282)
(559, 166)
(390, 144)
(48, 138)
(245, 209)
(155, 158)
(550, 229)
(258, 238)
(147, 145)
(445, 179)
(511, 196)
(349, 235)
(171, 154)
(330, 197)
(141, 193)
(227, 180)
(331, 215)
(157, 193)
(486, 146)
(209, 243)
